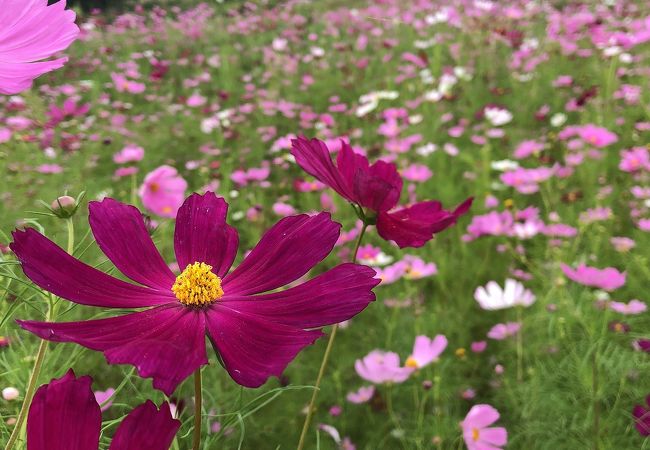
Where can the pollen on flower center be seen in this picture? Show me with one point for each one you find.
(411, 362)
(197, 285)
(475, 434)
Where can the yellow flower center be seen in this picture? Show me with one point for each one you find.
(197, 285)
(411, 362)
(475, 434)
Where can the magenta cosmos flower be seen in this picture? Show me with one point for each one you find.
(377, 188)
(163, 191)
(65, 415)
(642, 418)
(255, 334)
(608, 279)
(31, 31)
(477, 432)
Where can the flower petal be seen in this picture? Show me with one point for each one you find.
(54, 270)
(414, 226)
(287, 251)
(314, 158)
(335, 296)
(253, 349)
(202, 234)
(166, 343)
(64, 415)
(122, 236)
(378, 188)
(146, 428)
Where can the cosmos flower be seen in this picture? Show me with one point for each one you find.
(256, 335)
(502, 331)
(478, 434)
(608, 279)
(163, 191)
(630, 308)
(382, 367)
(31, 31)
(376, 189)
(64, 414)
(492, 297)
(363, 395)
(426, 351)
(642, 418)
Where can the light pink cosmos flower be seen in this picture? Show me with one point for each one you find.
(163, 191)
(382, 367)
(608, 279)
(635, 159)
(478, 434)
(363, 395)
(630, 308)
(492, 297)
(502, 331)
(426, 351)
(130, 153)
(31, 31)
(597, 136)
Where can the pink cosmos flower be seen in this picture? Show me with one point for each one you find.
(597, 136)
(642, 418)
(64, 414)
(123, 84)
(163, 191)
(608, 279)
(376, 189)
(426, 351)
(130, 153)
(415, 268)
(363, 395)
(635, 159)
(630, 308)
(502, 331)
(255, 328)
(382, 367)
(31, 31)
(478, 434)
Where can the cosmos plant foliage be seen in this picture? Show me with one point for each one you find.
(305, 224)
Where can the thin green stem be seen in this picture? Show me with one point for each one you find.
(323, 364)
(198, 400)
(38, 362)
(520, 346)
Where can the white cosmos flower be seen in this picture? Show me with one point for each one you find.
(492, 297)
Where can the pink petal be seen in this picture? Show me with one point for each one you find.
(146, 428)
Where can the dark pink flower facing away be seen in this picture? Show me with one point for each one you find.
(64, 415)
(31, 31)
(377, 188)
(256, 329)
(642, 418)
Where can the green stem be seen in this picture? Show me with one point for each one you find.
(134, 188)
(323, 364)
(198, 400)
(38, 362)
(520, 346)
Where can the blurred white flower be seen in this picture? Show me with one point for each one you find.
(492, 297)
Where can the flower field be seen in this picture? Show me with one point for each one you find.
(325, 225)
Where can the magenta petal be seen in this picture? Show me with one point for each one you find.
(51, 268)
(349, 162)
(166, 343)
(146, 428)
(414, 226)
(202, 234)
(64, 416)
(253, 349)
(379, 188)
(122, 236)
(335, 296)
(285, 253)
(314, 158)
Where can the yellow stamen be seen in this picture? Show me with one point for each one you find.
(154, 187)
(460, 352)
(197, 285)
(411, 362)
(475, 434)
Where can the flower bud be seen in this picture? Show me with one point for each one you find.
(64, 206)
